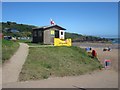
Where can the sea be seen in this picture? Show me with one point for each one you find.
(115, 41)
(113, 38)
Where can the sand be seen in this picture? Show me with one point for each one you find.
(97, 45)
(102, 55)
(110, 55)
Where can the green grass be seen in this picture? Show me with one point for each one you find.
(45, 62)
(24, 41)
(29, 42)
(34, 44)
(37, 44)
(8, 49)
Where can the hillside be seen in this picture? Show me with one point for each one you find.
(45, 62)
(26, 31)
(81, 38)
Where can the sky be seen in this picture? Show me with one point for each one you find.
(87, 18)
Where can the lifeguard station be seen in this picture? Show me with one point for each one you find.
(52, 34)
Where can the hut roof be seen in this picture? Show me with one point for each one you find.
(48, 27)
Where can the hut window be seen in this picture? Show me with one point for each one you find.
(61, 33)
(35, 33)
(39, 33)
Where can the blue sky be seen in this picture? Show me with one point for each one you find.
(87, 18)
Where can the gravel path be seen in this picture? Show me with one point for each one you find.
(12, 68)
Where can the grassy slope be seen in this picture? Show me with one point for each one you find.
(56, 61)
(8, 49)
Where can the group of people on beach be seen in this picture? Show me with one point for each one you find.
(107, 49)
(94, 55)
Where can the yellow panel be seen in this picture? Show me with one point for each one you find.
(60, 42)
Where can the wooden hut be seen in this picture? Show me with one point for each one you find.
(46, 34)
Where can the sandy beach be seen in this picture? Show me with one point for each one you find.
(102, 55)
(96, 45)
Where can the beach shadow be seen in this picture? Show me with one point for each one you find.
(79, 87)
